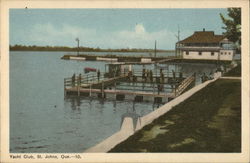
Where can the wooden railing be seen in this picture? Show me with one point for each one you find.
(184, 85)
(79, 80)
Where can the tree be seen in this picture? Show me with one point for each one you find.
(233, 25)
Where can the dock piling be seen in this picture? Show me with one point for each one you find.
(102, 89)
(90, 90)
(78, 88)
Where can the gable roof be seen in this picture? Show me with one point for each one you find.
(203, 37)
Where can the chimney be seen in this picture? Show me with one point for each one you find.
(203, 29)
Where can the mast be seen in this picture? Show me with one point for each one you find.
(155, 48)
(177, 50)
(178, 39)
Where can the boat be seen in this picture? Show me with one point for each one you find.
(89, 69)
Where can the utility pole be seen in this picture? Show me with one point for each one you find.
(77, 39)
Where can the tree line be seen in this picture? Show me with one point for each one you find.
(81, 49)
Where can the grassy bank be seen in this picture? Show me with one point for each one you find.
(209, 121)
(235, 72)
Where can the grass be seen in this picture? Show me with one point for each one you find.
(235, 72)
(209, 121)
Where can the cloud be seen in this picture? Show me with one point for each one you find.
(139, 37)
(139, 29)
(48, 34)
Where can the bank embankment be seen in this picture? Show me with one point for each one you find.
(208, 121)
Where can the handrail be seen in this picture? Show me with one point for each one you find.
(184, 85)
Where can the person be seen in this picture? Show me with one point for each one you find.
(98, 74)
(211, 75)
(203, 78)
(181, 75)
(147, 74)
(73, 79)
(173, 74)
(151, 76)
(143, 74)
(162, 77)
(134, 79)
(159, 88)
(79, 79)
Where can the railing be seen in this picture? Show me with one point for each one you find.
(91, 81)
(166, 73)
(184, 84)
(79, 80)
(205, 48)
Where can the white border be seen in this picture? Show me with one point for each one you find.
(123, 157)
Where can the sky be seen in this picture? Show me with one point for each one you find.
(110, 28)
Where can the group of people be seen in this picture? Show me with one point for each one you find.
(77, 80)
(205, 77)
(147, 75)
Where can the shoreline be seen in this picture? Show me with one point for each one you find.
(174, 131)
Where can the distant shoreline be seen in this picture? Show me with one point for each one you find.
(81, 49)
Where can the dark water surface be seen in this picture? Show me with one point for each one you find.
(41, 120)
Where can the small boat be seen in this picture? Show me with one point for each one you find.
(89, 69)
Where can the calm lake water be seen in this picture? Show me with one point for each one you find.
(42, 120)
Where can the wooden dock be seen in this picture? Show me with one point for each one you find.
(106, 88)
(121, 58)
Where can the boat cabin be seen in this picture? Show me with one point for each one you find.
(116, 69)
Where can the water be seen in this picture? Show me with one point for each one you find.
(41, 120)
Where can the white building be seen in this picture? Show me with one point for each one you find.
(205, 45)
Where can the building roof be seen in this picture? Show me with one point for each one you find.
(203, 37)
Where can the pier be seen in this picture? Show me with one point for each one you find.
(123, 86)
(120, 58)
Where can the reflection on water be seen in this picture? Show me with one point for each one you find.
(42, 120)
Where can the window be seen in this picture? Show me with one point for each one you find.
(212, 53)
(225, 52)
(229, 53)
(221, 53)
(199, 53)
(187, 52)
